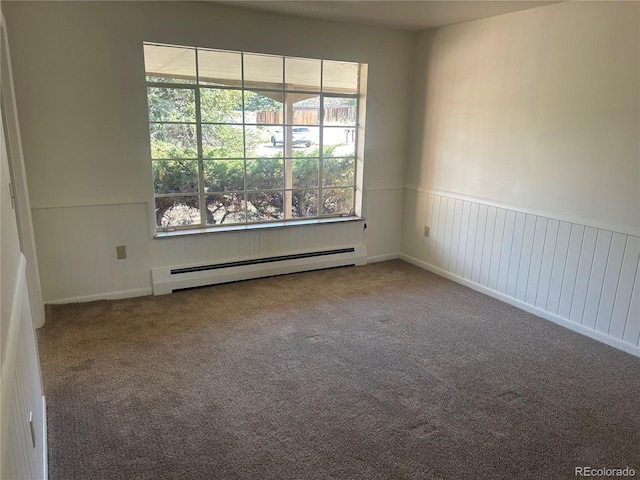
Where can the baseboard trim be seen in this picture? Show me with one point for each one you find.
(117, 295)
(383, 258)
(600, 337)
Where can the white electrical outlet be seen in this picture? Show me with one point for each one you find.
(121, 252)
(426, 231)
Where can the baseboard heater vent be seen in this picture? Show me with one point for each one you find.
(167, 280)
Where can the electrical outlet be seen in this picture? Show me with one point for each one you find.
(426, 231)
(121, 252)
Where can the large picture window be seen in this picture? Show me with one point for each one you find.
(241, 138)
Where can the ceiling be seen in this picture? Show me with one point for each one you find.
(400, 15)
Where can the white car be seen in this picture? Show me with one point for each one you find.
(301, 136)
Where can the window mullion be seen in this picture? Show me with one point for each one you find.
(321, 141)
(244, 143)
(201, 189)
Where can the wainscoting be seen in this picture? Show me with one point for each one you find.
(77, 245)
(23, 430)
(77, 251)
(583, 277)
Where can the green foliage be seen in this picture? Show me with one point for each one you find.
(175, 176)
(255, 102)
(221, 105)
(173, 140)
(337, 172)
(225, 141)
(171, 104)
(223, 175)
(265, 174)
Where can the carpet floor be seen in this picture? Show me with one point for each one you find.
(378, 372)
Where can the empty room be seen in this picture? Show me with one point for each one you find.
(323, 239)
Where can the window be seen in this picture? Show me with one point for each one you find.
(243, 138)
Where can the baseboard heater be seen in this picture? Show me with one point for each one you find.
(167, 280)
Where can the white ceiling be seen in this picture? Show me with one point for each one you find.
(401, 15)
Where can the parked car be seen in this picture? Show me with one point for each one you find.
(300, 136)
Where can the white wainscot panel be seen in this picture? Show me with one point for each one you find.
(582, 277)
(77, 251)
(212, 248)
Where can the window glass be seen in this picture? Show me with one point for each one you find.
(177, 211)
(221, 105)
(170, 64)
(173, 140)
(302, 74)
(262, 71)
(171, 104)
(217, 67)
(238, 137)
(339, 77)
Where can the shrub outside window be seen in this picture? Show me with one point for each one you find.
(243, 138)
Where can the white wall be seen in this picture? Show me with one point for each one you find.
(80, 87)
(525, 162)
(538, 109)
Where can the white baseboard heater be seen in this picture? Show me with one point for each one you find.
(167, 280)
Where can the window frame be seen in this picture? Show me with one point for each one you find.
(355, 186)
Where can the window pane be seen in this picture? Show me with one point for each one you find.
(304, 203)
(337, 201)
(264, 206)
(221, 106)
(263, 108)
(225, 208)
(306, 109)
(302, 74)
(339, 77)
(305, 172)
(262, 71)
(337, 172)
(172, 140)
(175, 176)
(260, 142)
(177, 211)
(340, 111)
(265, 174)
(223, 175)
(299, 137)
(219, 68)
(170, 64)
(338, 141)
(222, 141)
(171, 104)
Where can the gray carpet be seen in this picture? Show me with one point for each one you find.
(375, 372)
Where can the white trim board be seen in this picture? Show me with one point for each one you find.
(383, 258)
(620, 345)
(118, 295)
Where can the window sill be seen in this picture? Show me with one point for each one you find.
(255, 226)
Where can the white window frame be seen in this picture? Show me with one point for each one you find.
(287, 126)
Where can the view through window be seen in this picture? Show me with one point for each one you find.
(240, 138)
